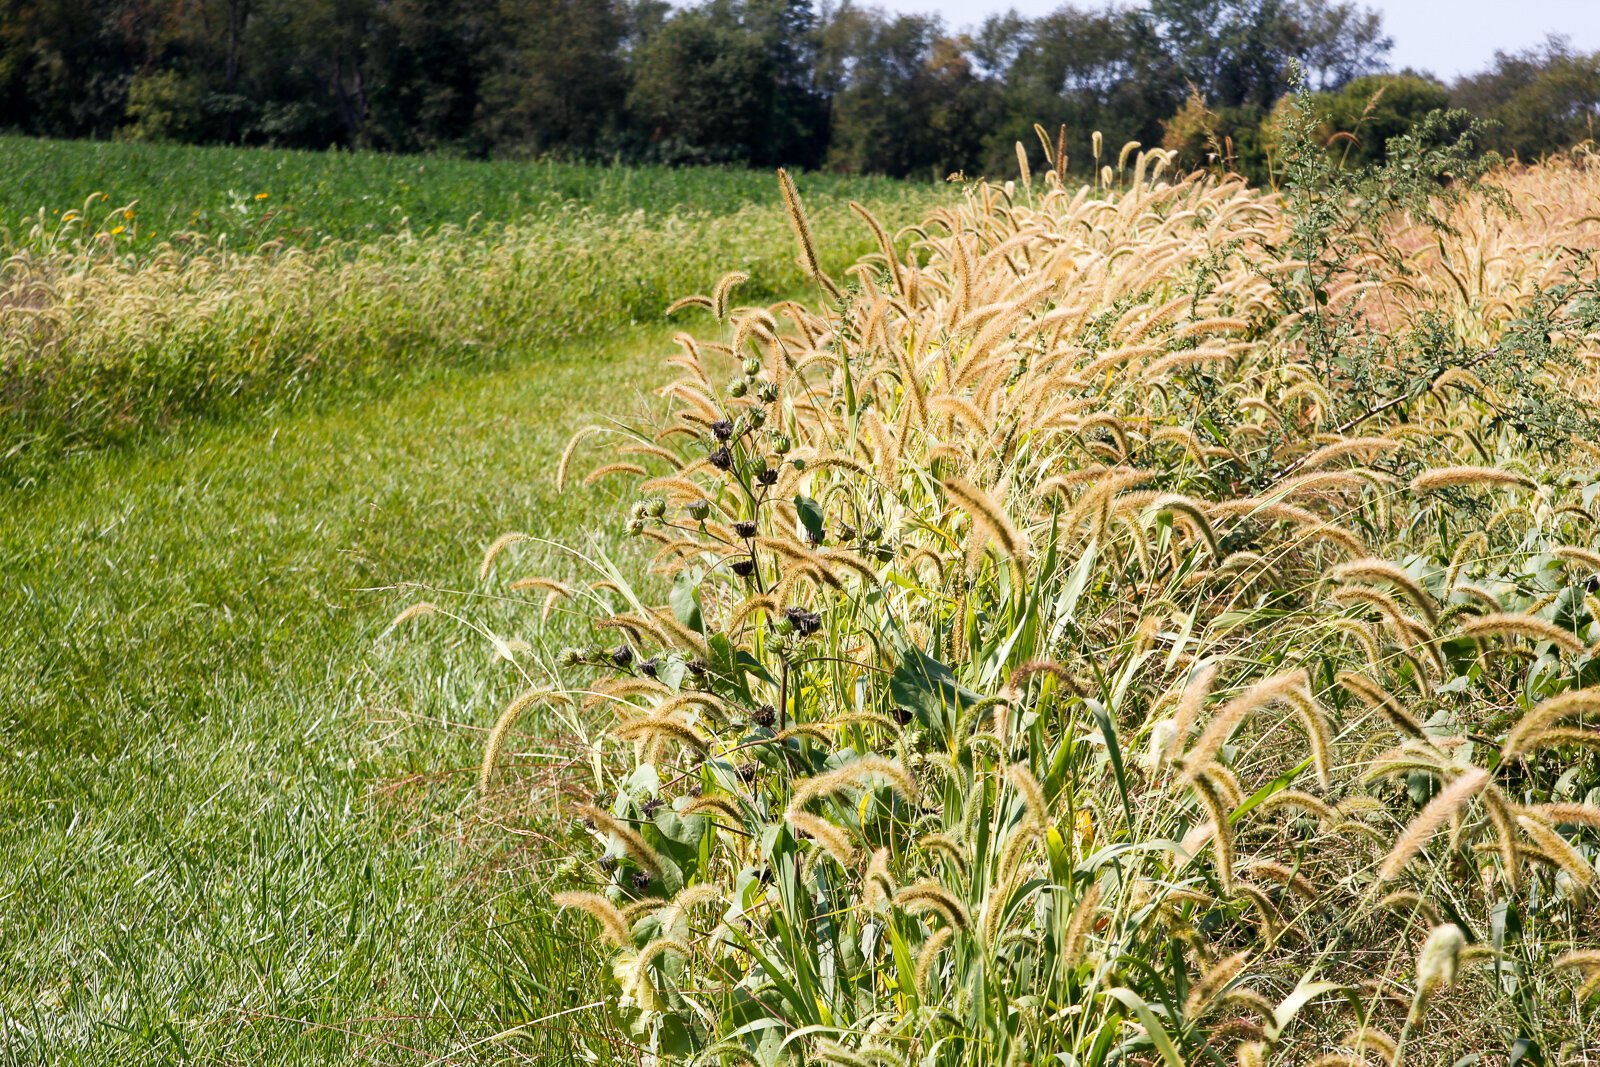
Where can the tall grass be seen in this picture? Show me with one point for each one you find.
(1158, 627)
(102, 338)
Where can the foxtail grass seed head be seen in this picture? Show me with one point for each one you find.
(1160, 743)
(1455, 477)
(1437, 964)
(415, 611)
(612, 923)
(1444, 806)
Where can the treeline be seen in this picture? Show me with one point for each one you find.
(758, 82)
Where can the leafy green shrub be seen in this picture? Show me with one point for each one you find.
(1374, 109)
(163, 106)
(1086, 643)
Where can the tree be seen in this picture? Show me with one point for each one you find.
(1232, 52)
(1374, 109)
(427, 63)
(557, 83)
(65, 65)
(1238, 52)
(730, 81)
(755, 82)
(1541, 100)
(1088, 70)
(907, 98)
(1336, 42)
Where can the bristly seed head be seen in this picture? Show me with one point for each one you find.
(764, 715)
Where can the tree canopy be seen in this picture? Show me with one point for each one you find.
(757, 82)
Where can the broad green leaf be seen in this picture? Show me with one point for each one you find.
(685, 601)
(810, 513)
(1114, 750)
(929, 688)
(1159, 1038)
(1277, 785)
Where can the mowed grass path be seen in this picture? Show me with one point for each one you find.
(212, 848)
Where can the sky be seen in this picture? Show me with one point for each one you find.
(1446, 37)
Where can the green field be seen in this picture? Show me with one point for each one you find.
(234, 817)
(239, 827)
(315, 196)
(111, 338)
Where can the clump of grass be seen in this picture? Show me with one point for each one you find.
(1058, 479)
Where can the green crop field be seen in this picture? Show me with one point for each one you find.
(249, 195)
(113, 332)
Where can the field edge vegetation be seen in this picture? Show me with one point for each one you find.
(1104, 627)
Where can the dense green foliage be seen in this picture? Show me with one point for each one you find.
(1374, 110)
(754, 82)
(1539, 99)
